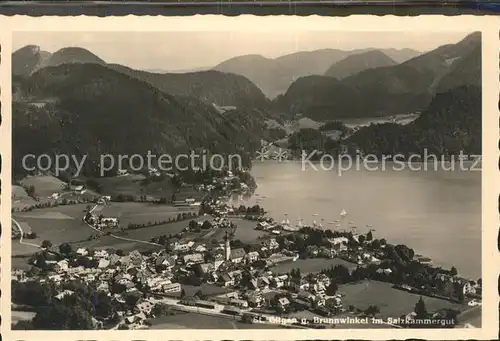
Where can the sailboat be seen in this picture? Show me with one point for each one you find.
(343, 213)
(299, 223)
(285, 221)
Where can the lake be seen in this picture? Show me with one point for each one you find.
(437, 213)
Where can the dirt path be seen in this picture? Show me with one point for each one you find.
(22, 235)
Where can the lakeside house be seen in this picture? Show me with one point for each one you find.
(339, 243)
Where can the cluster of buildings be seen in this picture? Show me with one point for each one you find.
(249, 285)
(101, 223)
(227, 182)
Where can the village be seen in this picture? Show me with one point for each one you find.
(255, 281)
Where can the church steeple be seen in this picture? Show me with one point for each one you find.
(227, 247)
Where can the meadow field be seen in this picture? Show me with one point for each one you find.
(20, 198)
(142, 213)
(56, 229)
(245, 231)
(111, 242)
(310, 265)
(64, 224)
(135, 185)
(392, 302)
(21, 316)
(44, 185)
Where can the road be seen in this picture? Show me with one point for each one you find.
(135, 240)
(216, 312)
(471, 316)
(22, 235)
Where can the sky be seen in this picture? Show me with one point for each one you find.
(172, 51)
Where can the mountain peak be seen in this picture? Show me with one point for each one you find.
(74, 55)
(28, 59)
(356, 63)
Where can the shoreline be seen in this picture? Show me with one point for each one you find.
(277, 218)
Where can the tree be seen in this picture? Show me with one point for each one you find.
(453, 271)
(33, 293)
(246, 279)
(46, 244)
(193, 225)
(369, 236)
(332, 289)
(104, 307)
(361, 239)
(383, 241)
(295, 274)
(65, 249)
(247, 318)
(206, 225)
(420, 309)
(30, 190)
(132, 298)
(199, 294)
(59, 315)
(160, 309)
(183, 293)
(84, 261)
(372, 310)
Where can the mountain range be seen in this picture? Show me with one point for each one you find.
(449, 125)
(274, 76)
(74, 102)
(95, 108)
(212, 87)
(387, 90)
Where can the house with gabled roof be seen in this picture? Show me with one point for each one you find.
(237, 255)
(226, 280)
(194, 258)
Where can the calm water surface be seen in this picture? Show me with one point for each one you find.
(437, 213)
